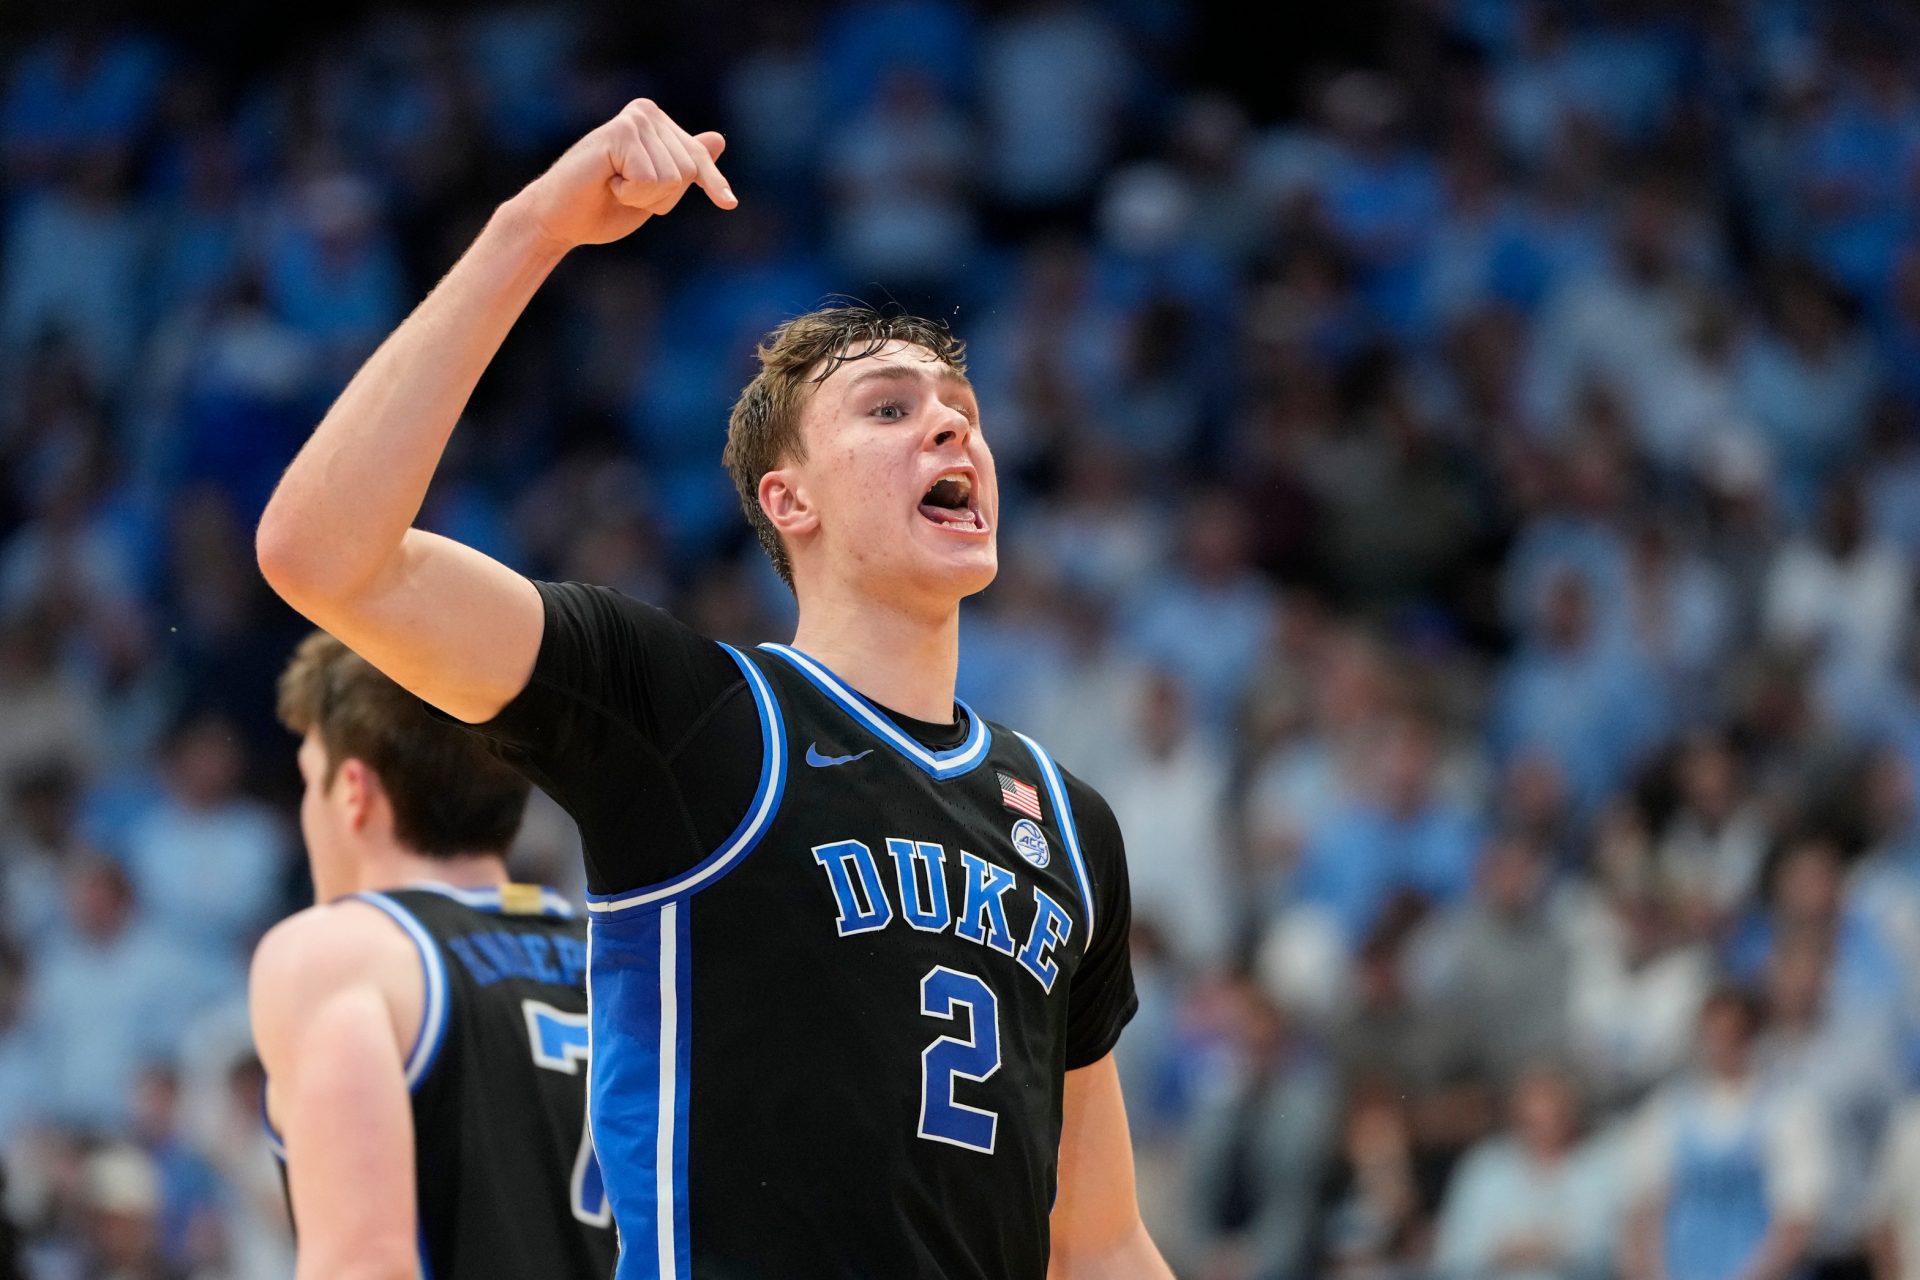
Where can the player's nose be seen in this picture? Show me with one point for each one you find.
(947, 425)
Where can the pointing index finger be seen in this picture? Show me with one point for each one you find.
(707, 174)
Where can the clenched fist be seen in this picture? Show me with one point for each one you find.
(632, 167)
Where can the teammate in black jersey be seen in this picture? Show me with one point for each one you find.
(424, 1029)
(859, 957)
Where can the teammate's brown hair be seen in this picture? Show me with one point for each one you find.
(450, 796)
(763, 430)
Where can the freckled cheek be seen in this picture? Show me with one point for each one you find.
(869, 488)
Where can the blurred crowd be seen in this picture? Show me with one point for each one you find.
(1463, 513)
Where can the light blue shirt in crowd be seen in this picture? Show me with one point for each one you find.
(1500, 1194)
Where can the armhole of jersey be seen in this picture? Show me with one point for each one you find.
(275, 1143)
(759, 815)
(436, 1007)
(1057, 792)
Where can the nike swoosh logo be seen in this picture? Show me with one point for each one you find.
(819, 761)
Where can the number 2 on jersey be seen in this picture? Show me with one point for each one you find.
(561, 1042)
(974, 1058)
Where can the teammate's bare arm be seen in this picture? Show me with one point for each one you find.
(1096, 1226)
(336, 998)
(336, 541)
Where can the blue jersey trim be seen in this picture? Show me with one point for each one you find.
(551, 903)
(951, 763)
(275, 1143)
(759, 816)
(639, 1000)
(434, 1014)
(1057, 791)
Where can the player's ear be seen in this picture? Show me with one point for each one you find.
(788, 505)
(356, 786)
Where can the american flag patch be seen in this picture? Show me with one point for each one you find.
(1018, 795)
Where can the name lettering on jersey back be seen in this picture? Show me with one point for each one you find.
(501, 954)
(926, 901)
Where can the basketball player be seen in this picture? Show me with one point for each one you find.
(424, 1029)
(859, 957)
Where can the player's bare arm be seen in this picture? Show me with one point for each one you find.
(1096, 1228)
(336, 997)
(337, 540)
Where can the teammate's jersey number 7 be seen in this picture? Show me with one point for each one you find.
(562, 1042)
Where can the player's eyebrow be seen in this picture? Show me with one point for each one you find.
(901, 372)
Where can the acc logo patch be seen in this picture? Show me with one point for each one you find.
(1031, 841)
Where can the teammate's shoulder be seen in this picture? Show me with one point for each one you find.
(330, 945)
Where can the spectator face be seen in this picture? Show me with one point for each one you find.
(1797, 981)
(1407, 762)
(1709, 779)
(101, 901)
(879, 432)
(1533, 796)
(1256, 1021)
(1348, 684)
(1808, 889)
(205, 763)
(1216, 538)
(1568, 614)
(1163, 715)
(1595, 476)
(155, 1099)
(1510, 875)
(1545, 1114)
(1380, 986)
(1726, 1036)
(1648, 237)
(1376, 1130)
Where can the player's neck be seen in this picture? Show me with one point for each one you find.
(399, 868)
(904, 661)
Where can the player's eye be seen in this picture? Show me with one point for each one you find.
(890, 411)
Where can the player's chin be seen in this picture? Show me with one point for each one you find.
(965, 562)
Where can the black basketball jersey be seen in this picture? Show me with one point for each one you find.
(836, 1047)
(506, 1181)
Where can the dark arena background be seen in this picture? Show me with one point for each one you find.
(1461, 465)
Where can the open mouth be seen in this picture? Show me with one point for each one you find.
(949, 503)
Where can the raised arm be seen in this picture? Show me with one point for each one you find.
(337, 539)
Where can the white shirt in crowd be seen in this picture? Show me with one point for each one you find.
(1856, 609)
(1896, 1191)
(1170, 810)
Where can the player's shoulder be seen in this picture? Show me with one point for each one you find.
(593, 607)
(592, 628)
(314, 952)
(1092, 815)
(1099, 829)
